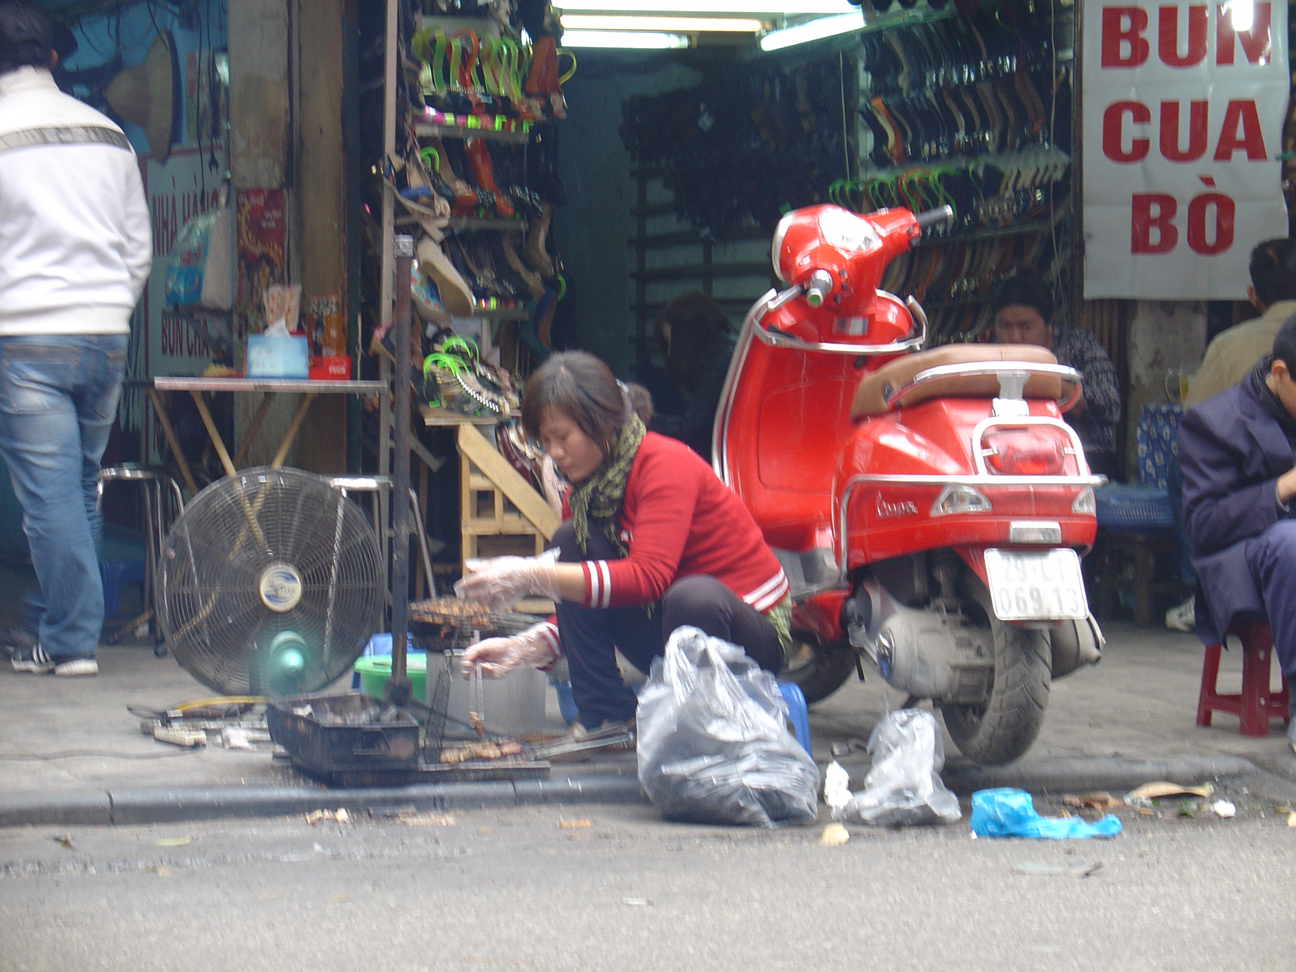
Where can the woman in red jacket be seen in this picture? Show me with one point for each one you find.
(651, 540)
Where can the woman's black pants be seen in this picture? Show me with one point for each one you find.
(591, 636)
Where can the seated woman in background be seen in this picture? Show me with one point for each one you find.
(1023, 314)
(651, 540)
(697, 340)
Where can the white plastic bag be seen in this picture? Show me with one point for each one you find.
(200, 268)
(713, 743)
(904, 785)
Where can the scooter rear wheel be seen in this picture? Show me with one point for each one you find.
(1005, 726)
(818, 669)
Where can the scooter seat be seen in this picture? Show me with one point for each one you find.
(876, 391)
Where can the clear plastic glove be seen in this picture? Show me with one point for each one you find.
(500, 581)
(536, 647)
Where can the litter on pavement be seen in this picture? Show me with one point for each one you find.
(1008, 812)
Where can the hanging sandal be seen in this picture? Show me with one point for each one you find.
(426, 301)
(534, 284)
(536, 250)
(456, 295)
(542, 84)
(464, 199)
(479, 162)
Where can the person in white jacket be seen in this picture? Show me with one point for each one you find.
(75, 252)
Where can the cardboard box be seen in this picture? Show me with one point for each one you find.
(330, 367)
(278, 357)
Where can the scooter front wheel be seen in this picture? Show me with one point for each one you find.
(1004, 727)
(818, 668)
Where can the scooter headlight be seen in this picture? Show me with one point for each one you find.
(846, 231)
(960, 499)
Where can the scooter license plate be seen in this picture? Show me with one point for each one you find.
(1036, 585)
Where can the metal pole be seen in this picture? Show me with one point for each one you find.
(399, 686)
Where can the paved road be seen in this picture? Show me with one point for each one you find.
(617, 888)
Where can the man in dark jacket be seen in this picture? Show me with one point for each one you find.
(1236, 451)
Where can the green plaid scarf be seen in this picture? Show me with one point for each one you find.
(598, 500)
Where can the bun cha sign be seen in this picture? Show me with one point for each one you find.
(1183, 116)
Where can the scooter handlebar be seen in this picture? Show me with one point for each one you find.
(796, 290)
(818, 288)
(934, 217)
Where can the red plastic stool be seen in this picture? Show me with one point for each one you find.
(1258, 703)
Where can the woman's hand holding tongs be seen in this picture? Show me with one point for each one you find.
(536, 647)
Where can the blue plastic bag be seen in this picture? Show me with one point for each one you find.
(1006, 812)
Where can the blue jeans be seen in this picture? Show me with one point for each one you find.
(58, 399)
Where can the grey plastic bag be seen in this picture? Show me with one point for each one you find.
(904, 787)
(713, 744)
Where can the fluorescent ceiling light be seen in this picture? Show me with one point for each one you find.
(638, 40)
(736, 8)
(606, 22)
(812, 31)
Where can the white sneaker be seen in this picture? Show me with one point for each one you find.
(34, 659)
(1181, 616)
(77, 667)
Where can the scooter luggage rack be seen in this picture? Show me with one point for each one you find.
(984, 476)
(1013, 378)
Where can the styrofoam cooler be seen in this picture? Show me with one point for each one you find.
(514, 706)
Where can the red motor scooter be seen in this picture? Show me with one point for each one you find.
(929, 507)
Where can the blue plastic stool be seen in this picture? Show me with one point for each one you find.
(797, 712)
(115, 575)
(566, 704)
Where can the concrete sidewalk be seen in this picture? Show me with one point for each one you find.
(72, 753)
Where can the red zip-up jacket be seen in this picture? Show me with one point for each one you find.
(679, 520)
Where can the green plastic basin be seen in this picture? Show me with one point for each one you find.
(374, 670)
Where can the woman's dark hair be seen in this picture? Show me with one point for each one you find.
(1024, 290)
(695, 321)
(1273, 270)
(582, 387)
(25, 36)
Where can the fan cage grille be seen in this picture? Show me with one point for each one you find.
(211, 606)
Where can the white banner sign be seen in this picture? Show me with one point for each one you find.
(1183, 116)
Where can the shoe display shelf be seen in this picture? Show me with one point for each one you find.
(495, 259)
(974, 112)
(937, 108)
(434, 124)
(463, 184)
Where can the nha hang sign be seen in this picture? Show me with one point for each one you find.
(1182, 125)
